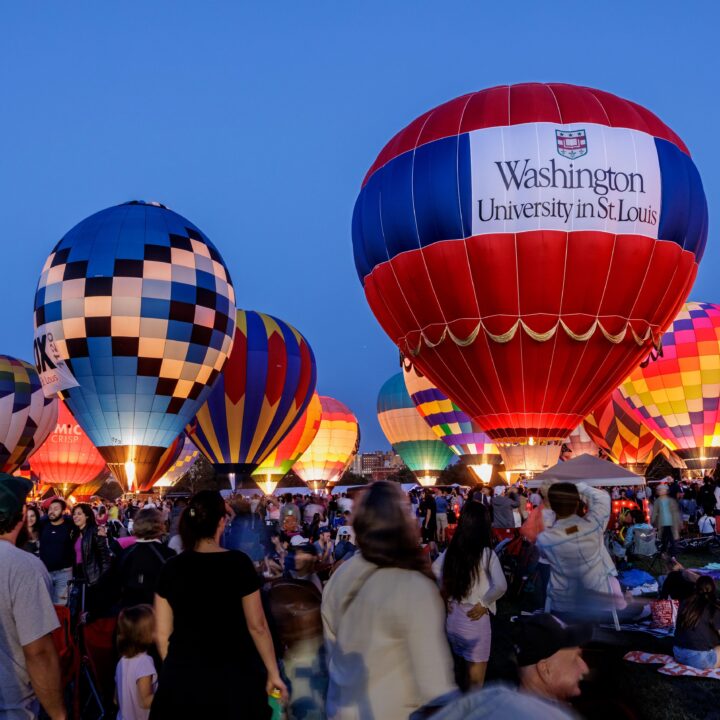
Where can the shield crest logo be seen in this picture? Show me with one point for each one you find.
(571, 144)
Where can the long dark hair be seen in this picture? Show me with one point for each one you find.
(87, 511)
(201, 517)
(464, 554)
(385, 531)
(703, 597)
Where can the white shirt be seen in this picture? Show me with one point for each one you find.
(127, 674)
(706, 525)
(490, 584)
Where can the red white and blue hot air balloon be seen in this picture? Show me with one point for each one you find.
(525, 246)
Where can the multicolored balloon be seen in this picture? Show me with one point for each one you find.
(280, 461)
(140, 305)
(22, 406)
(333, 449)
(616, 429)
(186, 458)
(406, 430)
(267, 384)
(68, 457)
(578, 442)
(677, 394)
(167, 459)
(494, 237)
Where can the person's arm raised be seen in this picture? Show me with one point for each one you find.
(43, 666)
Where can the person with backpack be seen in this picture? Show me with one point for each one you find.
(140, 564)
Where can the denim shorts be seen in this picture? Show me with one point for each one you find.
(700, 659)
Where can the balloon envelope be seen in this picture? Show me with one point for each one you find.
(498, 236)
(141, 306)
(68, 457)
(454, 427)
(331, 452)
(167, 459)
(406, 430)
(280, 461)
(185, 460)
(265, 387)
(677, 395)
(22, 406)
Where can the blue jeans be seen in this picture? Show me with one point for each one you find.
(700, 659)
(60, 580)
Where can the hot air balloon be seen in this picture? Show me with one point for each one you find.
(167, 459)
(578, 442)
(451, 424)
(498, 238)
(265, 387)
(280, 461)
(21, 409)
(615, 428)
(677, 394)
(140, 306)
(331, 452)
(184, 461)
(406, 430)
(68, 457)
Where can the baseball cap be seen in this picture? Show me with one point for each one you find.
(541, 636)
(297, 540)
(13, 492)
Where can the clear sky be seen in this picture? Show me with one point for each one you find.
(258, 121)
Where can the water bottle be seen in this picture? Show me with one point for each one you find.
(275, 704)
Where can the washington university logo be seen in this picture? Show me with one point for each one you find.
(571, 143)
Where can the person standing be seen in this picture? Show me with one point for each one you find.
(428, 515)
(56, 549)
(441, 516)
(472, 581)
(666, 518)
(32, 528)
(29, 663)
(580, 565)
(503, 521)
(212, 667)
(92, 556)
(383, 618)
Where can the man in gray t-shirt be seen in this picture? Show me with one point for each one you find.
(29, 664)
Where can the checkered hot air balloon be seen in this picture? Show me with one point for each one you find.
(454, 427)
(183, 462)
(616, 429)
(526, 246)
(266, 385)
(26, 416)
(677, 394)
(68, 457)
(280, 461)
(333, 449)
(408, 432)
(140, 305)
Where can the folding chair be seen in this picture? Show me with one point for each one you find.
(645, 546)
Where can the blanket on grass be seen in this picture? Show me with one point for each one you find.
(670, 666)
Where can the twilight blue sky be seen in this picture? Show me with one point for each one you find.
(257, 121)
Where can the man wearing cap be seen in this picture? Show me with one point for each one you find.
(29, 664)
(56, 548)
(550, 667)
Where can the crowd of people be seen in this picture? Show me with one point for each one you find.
(374, 604)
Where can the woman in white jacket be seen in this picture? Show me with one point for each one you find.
(383, 618)
(472, 581)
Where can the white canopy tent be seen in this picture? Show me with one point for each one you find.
(590, 470)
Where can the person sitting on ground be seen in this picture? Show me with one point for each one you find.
(580, 565)
(637, 522)
(706, 524)
(697, 629)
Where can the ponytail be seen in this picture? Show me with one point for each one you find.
(703, 597)
(201, 517)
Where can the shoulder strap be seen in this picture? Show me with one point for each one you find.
(355, 589)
